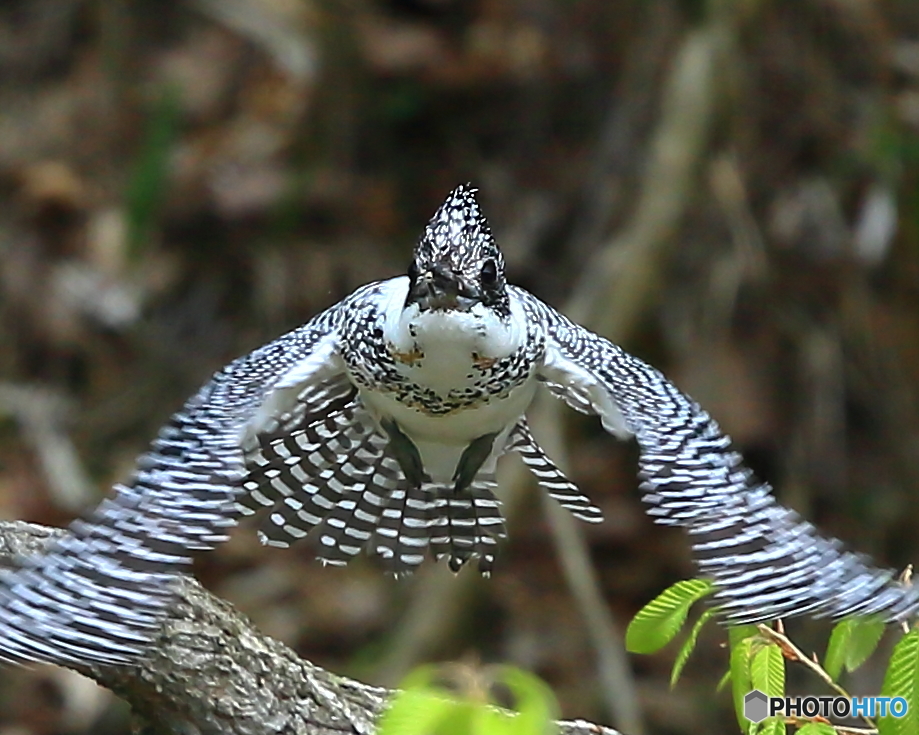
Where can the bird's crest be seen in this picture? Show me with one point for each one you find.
(457, 254)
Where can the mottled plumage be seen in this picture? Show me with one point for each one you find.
(377, 426)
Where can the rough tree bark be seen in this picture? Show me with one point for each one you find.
(210, 671)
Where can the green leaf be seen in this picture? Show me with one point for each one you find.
(865, 638)
(741, 639)
(686, 650)
(486, 720)
(771, 726)
(535, 702)
(421, 677)
(460, 719)
(902, 680)
(425, 707)
(417, 712)
(767, 673)
(835, 657)
(767, 670)
(853, 640)
(655, 625)
(816, 728)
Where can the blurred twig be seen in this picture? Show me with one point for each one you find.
(210, 671)
(746, 261)
(630, 109)
(41, 414)
(615, 675)
(622, 279)
(280, 28)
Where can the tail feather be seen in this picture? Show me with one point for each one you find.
(336, 478)
(401, 538)
(468, 525)
(550, 477)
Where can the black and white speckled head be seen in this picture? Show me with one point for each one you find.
(457, 262)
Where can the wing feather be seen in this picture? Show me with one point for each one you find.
(97, 594)
(550, 477)
(765, 560)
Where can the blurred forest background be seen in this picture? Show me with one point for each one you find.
(729, 190)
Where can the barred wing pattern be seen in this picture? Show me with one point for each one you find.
(304, 440)
(550, 477)
(328, 468)
(765, 560)
(324, 465)
(96, 595)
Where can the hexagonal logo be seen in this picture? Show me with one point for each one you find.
(755, 706)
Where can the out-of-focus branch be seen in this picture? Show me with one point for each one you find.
(41, 413)
(623, 277)
(210, 671)
(614, 673)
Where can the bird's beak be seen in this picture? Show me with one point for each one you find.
(441, 290)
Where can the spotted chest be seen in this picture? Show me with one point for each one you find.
(486, 379)
(438, 363)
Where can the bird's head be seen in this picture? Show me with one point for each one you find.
(457, 263)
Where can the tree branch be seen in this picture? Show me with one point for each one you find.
(211, 671)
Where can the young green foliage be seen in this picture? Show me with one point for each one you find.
(817, 728)
(771, 726)
(741, 639)
(767, 673)
(852, 641)
(655, 625)
(689, 645)
(767, 668)
(902, 680)
(758, 662)
(427, 706)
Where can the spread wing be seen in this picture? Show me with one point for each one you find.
(325, 465)
(765, 560)
(97, 594)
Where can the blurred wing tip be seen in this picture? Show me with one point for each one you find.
(584, 511)
(272, 542)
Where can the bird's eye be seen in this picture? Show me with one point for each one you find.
(489, 272)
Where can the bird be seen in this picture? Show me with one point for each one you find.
(377, 427)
